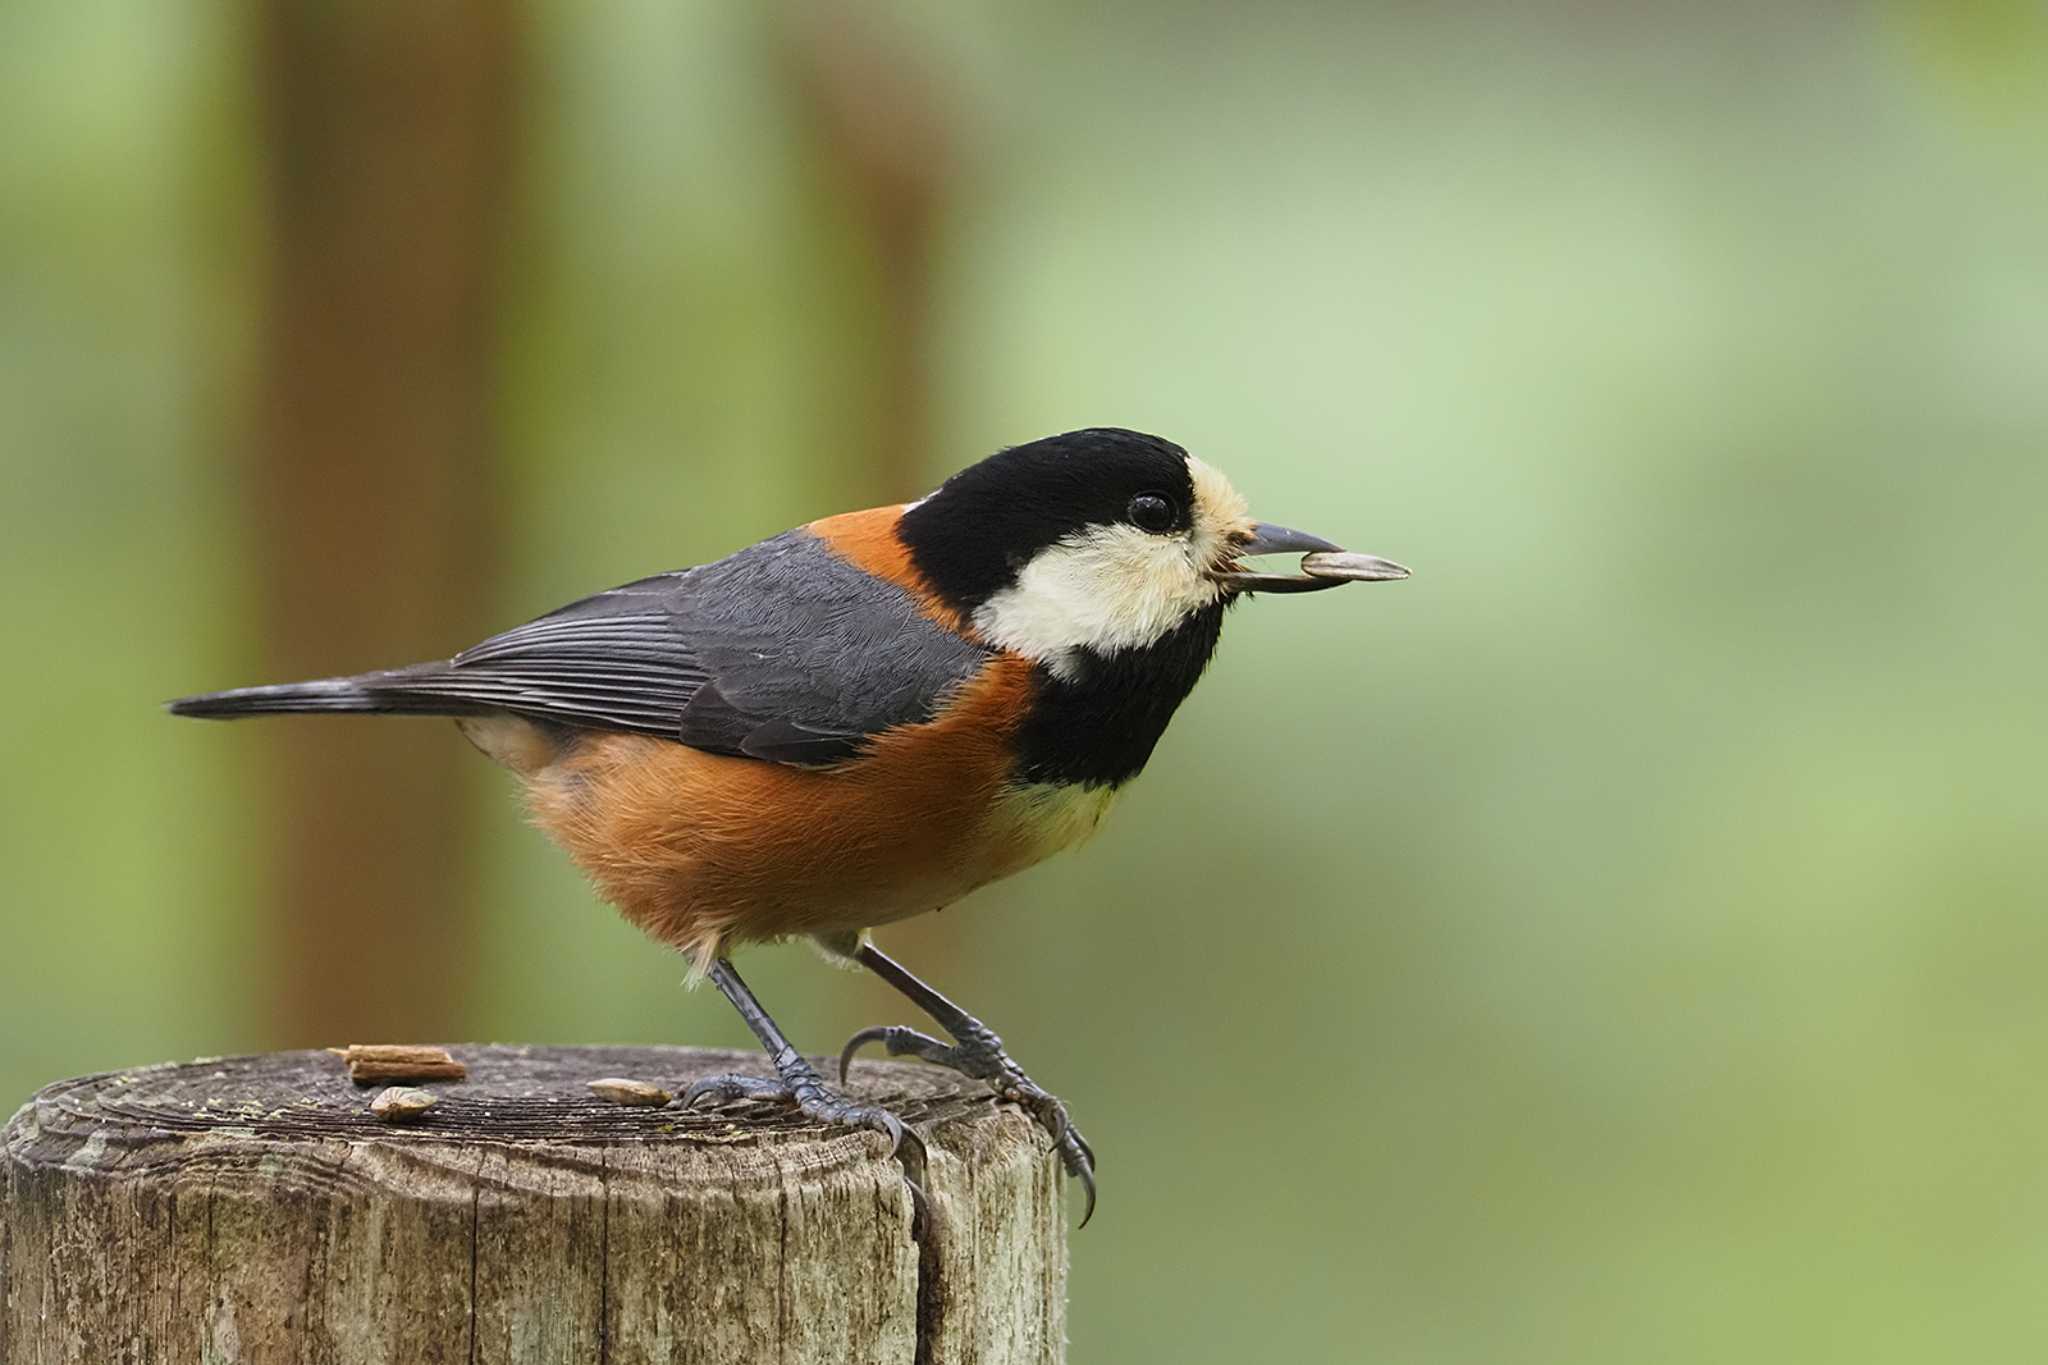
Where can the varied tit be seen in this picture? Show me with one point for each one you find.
(862, 719)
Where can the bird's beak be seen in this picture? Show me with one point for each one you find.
(1323, 565)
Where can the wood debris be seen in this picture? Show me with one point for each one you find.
(369, 1063)
(620, 1090)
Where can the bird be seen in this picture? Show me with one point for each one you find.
(860, 720)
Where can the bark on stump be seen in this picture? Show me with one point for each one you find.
(251, 1209)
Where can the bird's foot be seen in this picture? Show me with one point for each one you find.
(800, 1085)
(979, 1053)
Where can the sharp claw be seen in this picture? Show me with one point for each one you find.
(858, 1041)
(821, 1105)
(979, 1054)
(902, 1041)
(723, 1088)
(890, 1127)
(901, 1137)
(920, 1207)
(1056, 1122)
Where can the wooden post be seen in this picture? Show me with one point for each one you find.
(253, 1210)
(370, 487)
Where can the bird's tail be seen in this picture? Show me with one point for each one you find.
(394, 692)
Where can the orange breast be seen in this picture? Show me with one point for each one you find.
(704, 851)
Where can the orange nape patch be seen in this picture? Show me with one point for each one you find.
(868, 541)
(705, 851)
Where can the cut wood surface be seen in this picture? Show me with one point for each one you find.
(251, 1209)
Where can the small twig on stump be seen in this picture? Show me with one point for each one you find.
(619, 1090)
(369, 1063)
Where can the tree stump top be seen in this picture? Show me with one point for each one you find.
(512, 1095)
(253, 1208)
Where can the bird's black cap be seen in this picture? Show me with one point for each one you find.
(971, 537)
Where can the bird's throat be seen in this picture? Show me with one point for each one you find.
(1095, 723)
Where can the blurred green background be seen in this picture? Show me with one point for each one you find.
(1622, 941)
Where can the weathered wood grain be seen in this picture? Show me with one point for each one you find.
(252, 1210)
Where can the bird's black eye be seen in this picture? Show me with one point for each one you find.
(1151, 512)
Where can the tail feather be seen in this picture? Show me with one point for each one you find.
(395, 693)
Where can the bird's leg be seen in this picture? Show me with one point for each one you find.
(799, 1083)
(976, 1051)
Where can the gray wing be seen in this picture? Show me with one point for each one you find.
(782, 651)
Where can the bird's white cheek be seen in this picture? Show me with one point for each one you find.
(1113, 589)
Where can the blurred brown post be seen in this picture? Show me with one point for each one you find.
(387, 145)
(884, 130)
(883, 136)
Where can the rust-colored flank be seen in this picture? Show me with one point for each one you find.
(705, 851)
